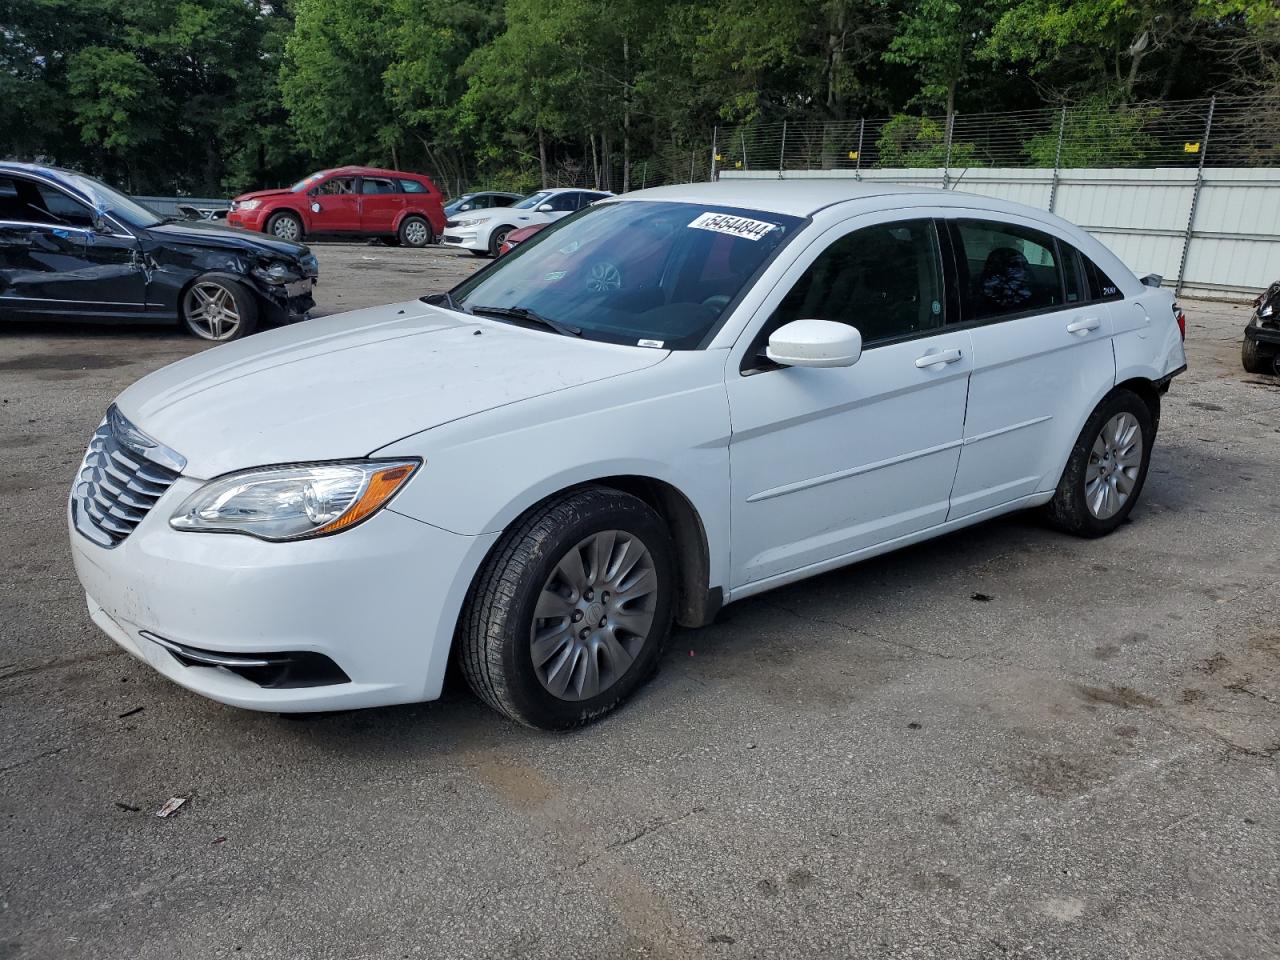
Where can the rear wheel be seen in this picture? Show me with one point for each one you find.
(1107, 467)
(285, 226)
(219, 309)
(414, 232)
(568, 615)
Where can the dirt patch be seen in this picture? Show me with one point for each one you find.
(1126, 698)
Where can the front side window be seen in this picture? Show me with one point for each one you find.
(62, 209)
(885, 280)
(642, 272)
(338, 186)
(29, 201)
(1006, 269)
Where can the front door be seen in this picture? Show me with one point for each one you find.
(335, 206)
(828, 462)
(1041, 355)
(53, 263)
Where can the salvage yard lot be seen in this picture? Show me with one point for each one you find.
(1004, 742)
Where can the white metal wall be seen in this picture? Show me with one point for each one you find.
(1232, 251)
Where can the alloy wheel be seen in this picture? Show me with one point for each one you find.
(593, 615)
(1114, 464)
(415, 233)
(286, 228)
(211, 311)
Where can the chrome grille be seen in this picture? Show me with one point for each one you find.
(123, 474)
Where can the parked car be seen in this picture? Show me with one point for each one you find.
(402, 207)
(517, 237)
(482, 231)
(484, 200)
(1261, 350)
(73, 248)
(675, 400)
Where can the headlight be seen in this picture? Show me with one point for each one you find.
(278, 272)
(1266, 311)
(466, 223)
(294, 502)
(248, 204)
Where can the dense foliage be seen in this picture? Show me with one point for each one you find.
(211, 96)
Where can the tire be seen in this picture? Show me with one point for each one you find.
(414, 232)
(1098, 462)
(1252, 360)
(499, 638)
(284, 226)
(495, 239)
(218, 308)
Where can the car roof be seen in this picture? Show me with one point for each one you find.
(358, 170)
(797, 198)
(18, 166)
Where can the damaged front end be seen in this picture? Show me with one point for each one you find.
(287, 286)
(1260, 352)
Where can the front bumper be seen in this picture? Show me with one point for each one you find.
(380, 601)
(465, 238)
(246, 219)
(1263, 335)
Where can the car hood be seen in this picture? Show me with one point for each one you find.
(261, 195)
(211, 233)
(346, 385)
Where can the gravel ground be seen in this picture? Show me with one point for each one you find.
(1001, 743)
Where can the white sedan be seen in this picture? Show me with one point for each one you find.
(677, 399)
(482, 231)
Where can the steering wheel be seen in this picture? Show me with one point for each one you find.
(604, 275)
(717, 302)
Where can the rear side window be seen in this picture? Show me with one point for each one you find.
(500, 200)
(885, 280)
(565, 201)
(412, 186)
(1101, 287)
(1006, 269)
(372, 185)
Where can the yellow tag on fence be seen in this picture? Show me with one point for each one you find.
(1191, 148)
(853, 154)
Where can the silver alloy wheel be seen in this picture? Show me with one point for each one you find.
(415, 233)
(604, 276)
(286, 228)
(1114, 463)
(593, 615)
(211, 311)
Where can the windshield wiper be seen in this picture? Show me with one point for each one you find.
(443, 300)
(527, 315)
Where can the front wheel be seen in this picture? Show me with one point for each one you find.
(1107, 467)
(285, 226)
(496, 238)
(1251, 359)
(568, 615)
(218, 308)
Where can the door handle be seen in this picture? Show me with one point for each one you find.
(1084, 326)
(942, 356)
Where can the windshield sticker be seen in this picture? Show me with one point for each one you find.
(743, 227)
(650, 343)
(571, 247)
(555, 275)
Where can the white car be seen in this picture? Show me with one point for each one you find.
(678, 399)
(482, 231)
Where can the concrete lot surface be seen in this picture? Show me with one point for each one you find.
(1004, 743)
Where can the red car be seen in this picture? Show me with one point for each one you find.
(517, 237)
(364, 201)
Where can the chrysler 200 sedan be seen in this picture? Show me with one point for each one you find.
(667, 402)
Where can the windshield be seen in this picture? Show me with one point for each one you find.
(109, 200)
(306, 182)
(641, 272)
(528, 203)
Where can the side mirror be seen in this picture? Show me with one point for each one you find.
(545, 208)
(465, 206)
(815, 343)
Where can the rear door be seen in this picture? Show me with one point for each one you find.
(335, 206)
(381, 202)
(1041, 353)
(54, 264)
